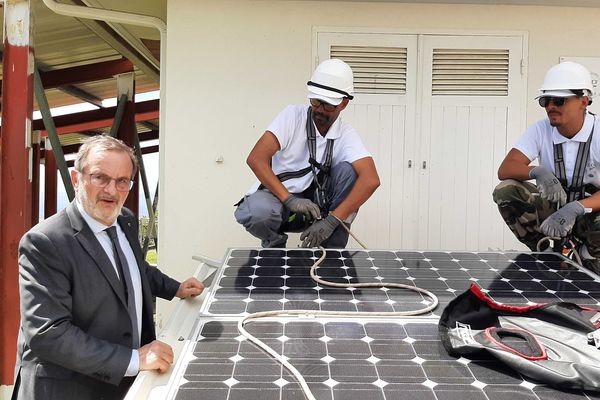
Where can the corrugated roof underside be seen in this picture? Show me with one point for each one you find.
(63, 42)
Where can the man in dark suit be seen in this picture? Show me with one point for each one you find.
(86, 292)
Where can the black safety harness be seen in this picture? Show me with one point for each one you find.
(577, 190)
(319, 170)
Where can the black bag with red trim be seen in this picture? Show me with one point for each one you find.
(554, 343)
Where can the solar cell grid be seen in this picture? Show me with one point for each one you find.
(347, 360)
(510, 277)
(366, 358)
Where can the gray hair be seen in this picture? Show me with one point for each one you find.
(103, 143)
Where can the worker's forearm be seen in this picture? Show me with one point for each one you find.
(265, 175)
(518, 172)
(592, 202)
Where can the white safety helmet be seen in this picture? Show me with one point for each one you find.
(331, 82)
(565, 77)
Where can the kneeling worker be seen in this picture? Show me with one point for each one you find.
(565, 199)
(313, 170)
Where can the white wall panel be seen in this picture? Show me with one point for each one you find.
(459, 210)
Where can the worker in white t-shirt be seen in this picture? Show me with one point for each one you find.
(564, 202)
(313, 170)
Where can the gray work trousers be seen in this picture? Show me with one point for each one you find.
(263, 215)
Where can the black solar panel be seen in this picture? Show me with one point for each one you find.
(365, 358)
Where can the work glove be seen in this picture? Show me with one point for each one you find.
(548, 185)
(319, 231)
(562, 221)
(302, 206)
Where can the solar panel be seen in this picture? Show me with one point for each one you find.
(363, 358)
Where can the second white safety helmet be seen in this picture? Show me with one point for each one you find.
(331, 82)
(567, 76)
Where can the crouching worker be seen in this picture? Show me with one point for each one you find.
(313, 170)
(564, 200)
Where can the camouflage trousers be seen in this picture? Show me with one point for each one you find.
(523, 210)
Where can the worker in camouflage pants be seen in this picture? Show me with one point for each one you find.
(523, 210)
(564, 202)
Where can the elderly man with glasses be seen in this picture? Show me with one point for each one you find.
(87, 324)
(564, 201)
(313, 170)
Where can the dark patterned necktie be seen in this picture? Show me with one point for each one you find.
(125, 278)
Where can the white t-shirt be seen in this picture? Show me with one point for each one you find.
(539, 139)
(289, 127)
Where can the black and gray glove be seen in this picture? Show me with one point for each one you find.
(548, 185)
(562, 221)
(302, 206)
(318, 232)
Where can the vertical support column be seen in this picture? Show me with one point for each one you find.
(127, 131)
(35, 177)
(15, 167)
(50, 181)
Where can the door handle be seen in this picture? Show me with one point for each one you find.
(424, 164)
(409, 163)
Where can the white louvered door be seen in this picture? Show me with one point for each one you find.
(471, 89)
(436, 112)
(384, 114)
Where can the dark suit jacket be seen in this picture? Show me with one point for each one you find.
(75, 337)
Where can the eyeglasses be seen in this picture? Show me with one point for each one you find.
(558, 101)
(326, 106)
(101, 180)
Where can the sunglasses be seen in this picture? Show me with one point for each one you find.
(558, 101)
(326, 106)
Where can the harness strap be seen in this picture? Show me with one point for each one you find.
(322, 175)
(311, 138)
(577, 190)
(284, 176)
(320, 170)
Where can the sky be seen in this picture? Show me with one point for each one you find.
(150, 160)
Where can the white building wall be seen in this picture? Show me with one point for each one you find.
(233, 65)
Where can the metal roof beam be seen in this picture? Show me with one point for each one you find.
(85, 73)
(42, 101)
(102, 118)
(73, 148)
(121, 104)
(150, 125)
(65, 78)
(104, 31)
(82, 95)
(145, 150)
(150, 135)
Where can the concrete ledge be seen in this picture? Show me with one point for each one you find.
(5, 392)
